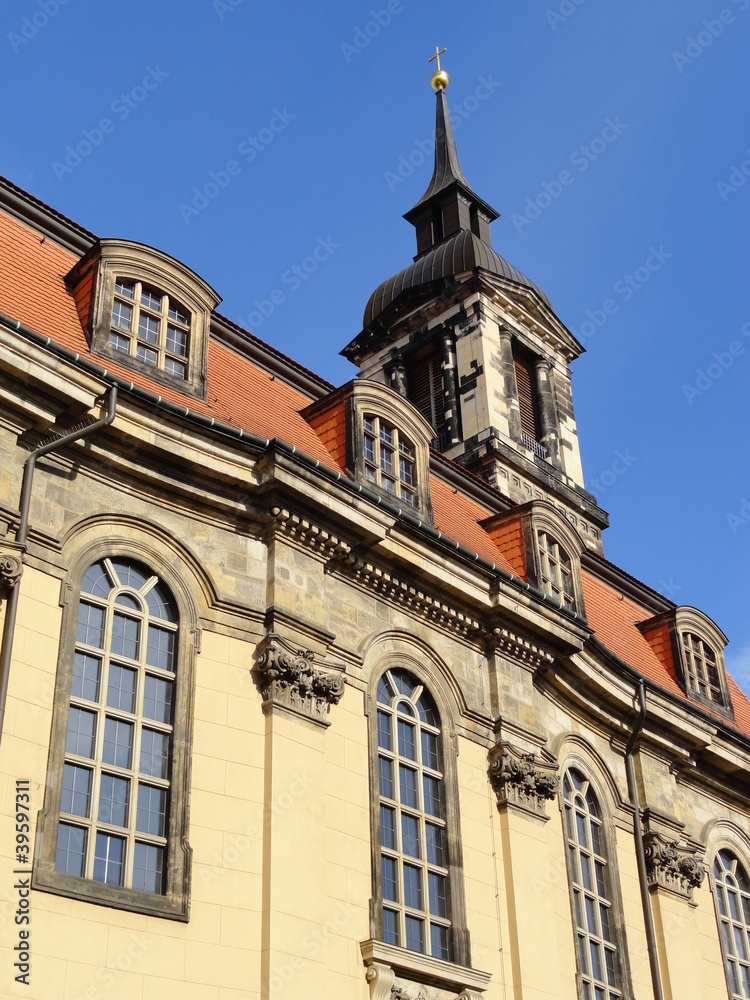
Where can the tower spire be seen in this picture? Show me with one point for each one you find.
(449, 204)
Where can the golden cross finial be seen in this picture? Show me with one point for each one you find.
(437, 55)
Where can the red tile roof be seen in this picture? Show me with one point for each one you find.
(32, 290)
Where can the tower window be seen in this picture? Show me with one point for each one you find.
(526, 400)
(556, 570)
(425, 386)
(389, 459)
(148, 325)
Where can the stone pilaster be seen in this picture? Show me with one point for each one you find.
(509, 380)
(547, 414)
(450, 390)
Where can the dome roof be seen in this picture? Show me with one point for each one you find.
(461, 252)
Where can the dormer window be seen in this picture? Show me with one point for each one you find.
(691, 647)
(151, 326)
(389, 459)
(145, 310)
(556, 570)
(701, 670)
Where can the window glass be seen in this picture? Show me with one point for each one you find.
(162, 325)
(732, 899)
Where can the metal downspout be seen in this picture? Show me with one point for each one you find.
(11, 608)
(653, 955)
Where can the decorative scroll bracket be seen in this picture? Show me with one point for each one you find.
(11, 568)
(290, 680)
(523, 780)
(671, 865)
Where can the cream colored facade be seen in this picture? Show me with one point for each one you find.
(273, 558)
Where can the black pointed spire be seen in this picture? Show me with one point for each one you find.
(449, 204)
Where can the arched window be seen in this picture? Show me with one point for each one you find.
(412, 864)
(556, 570)
(591, 889)
(114, 825)
(732, 898)
(114, 804)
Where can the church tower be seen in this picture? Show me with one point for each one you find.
(477, 348)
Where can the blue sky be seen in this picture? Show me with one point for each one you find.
(610, 137)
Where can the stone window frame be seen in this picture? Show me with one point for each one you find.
(690, 621)
(372, 398)
(110, 261)
(460, 941)
(725, 835)
(174, 902)
(541, 517)
(584, 760)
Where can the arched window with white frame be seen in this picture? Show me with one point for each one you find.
(731, 889)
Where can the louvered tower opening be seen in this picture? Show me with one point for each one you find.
(424, 382)
(526, 399)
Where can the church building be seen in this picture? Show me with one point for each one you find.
(330, 692)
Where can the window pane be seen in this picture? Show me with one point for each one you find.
(119, 343)
(432, 796)
(586, 873)
(386, 433)
(439, 942)
(413, 887)
(604, 914)
(76, 790)
(85, 682)
(388, 827)
(148, 355)
(388, 872)
(596, 960)
(148, 862)
(384, 731)
(601, 885)
(81, 730)
(436, 885)
(151, 299)
(176, 341)
(152, 808)
(410, 836)
(177, 313)
(108, 859)
(426, 709)
(609, 957)
(71, 849)
(596, 838)
(118, 742)
(160, 604)
(157, 699)
(385, 769)
(122, 315)
(125, 636)
(130, 574)
(90, 625)
(114, 794)
(176, 368)
(121, 688)
(390, 927)
(160, 648)
(429, 750)
(407, 779)
(734, 904)
(124, 288)
(434, 837)
(96, 581)
(407, 746)
(148, 329)
(154, 753)
(414, 934)
(583, 838)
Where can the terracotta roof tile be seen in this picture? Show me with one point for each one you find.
(457, 516)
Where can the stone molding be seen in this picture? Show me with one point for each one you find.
(11, 568)
(308, 534)
(385, 964)
(517, 648)
(410, 597)
(523, 780)
(672, 865)
(290, 680)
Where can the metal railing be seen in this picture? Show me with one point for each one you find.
(539, 450)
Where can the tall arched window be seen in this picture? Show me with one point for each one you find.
(114, 803)
(556, 571)
(732, 898)
(591, 889)
(413, 867)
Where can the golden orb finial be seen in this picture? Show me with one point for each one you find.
(439, 78)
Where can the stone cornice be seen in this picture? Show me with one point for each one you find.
(517, 648)
(523, 780)
(290, 680)
(308, 534)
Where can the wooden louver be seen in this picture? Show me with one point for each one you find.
(526, 399)
(425, 386)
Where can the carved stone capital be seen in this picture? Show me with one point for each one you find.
(671, 865)
(380, 979)
(523, 780)
(399, 993)
(290, 679)
(11, 569)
